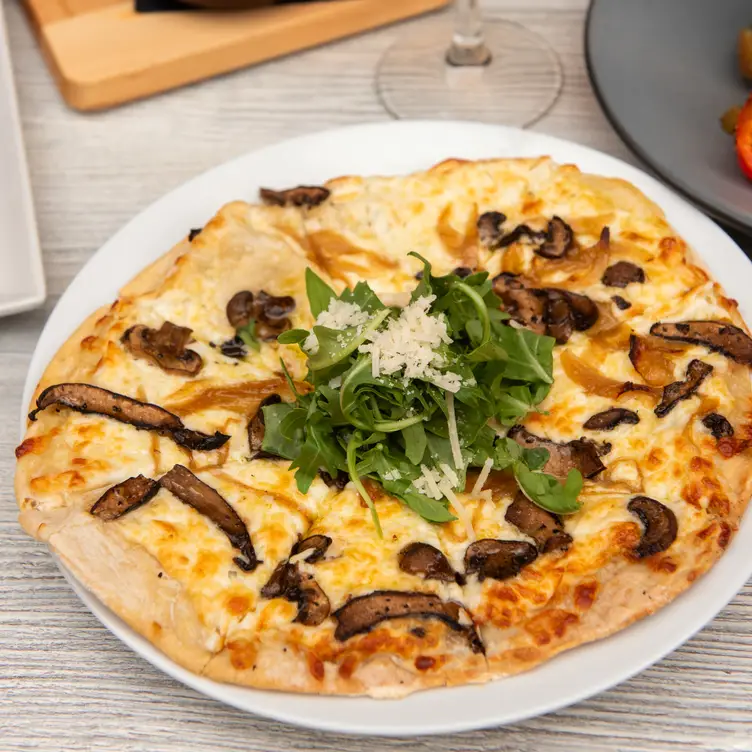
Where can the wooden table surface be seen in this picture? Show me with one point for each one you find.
(68, 684)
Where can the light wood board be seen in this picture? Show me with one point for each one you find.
(102, 53)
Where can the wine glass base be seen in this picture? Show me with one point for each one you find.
(516, 87)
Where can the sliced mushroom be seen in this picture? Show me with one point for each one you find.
(697, 372)
(498, 559)
(316, 544)
(426, 561)
(192, 491)
(256, 429)
(579, 454)
(548, 310)
(85, 398)
(270, 312)
(234, 348)
(584, 311)
(240, 309)
(660, 526)
(559, 239)
(362, 614)
(490, 229)
(339, 482)
(544, 528)
(166, 347)
(718, 426)
(522, 303)
(609, 419)
(558, 317)
(303, 195)
(621, 303)
(519, 233)
(124, 497)
(623, 273)
(288, 582)
(717, 336)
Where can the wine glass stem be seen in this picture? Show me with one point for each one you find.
(468, 45)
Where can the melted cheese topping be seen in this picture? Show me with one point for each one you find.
(365, 231)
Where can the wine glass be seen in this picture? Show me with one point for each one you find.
(493, 71)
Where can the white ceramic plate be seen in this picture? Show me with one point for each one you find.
(398, 147)
(21, 275)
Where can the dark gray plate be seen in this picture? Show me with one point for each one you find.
(665, 71)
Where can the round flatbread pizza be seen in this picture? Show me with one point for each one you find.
(394, 433)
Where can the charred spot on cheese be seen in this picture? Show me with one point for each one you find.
(718, 426)
(621, 303)
(498, 559)
(609, 419)
(301, 588)
(191, 490)
(270, 312)
(302, 195)
(361, 614)
(339, 481)
(727, 339)
(623, 273)
(257, 428)
(697, 372)
(87, 399)
(165, 347)
(558, 240)
(545, 528)
(426, 561)
(194, 233)
(490, 228)
(124, 497)
(659, 526)
(578, 454)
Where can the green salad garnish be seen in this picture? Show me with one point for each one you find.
(412, 398)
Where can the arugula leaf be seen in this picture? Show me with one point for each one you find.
(547, 492)
(415, 442)
(529, 355)
(285, 444)
(384, 429)
(292, 337)
(319, 293)
(336, 344)
(248, 334)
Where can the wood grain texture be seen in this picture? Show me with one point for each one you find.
(65, 682)
(103, 53)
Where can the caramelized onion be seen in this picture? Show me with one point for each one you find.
(594, 382)
(580, 267)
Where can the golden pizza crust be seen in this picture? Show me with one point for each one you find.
(364, 232)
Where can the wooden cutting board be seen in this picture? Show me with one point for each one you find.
(102, 53)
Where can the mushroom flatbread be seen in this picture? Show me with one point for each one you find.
(396, 433)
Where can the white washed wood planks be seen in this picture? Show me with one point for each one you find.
(65, 682)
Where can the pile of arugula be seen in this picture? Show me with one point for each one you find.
(385, 428)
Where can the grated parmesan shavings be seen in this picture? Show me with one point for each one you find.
(339, 316)
(408, 345)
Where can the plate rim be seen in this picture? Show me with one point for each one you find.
(732, 221)
(238, 697)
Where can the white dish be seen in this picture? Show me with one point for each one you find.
(21, 275)
(399, 147)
